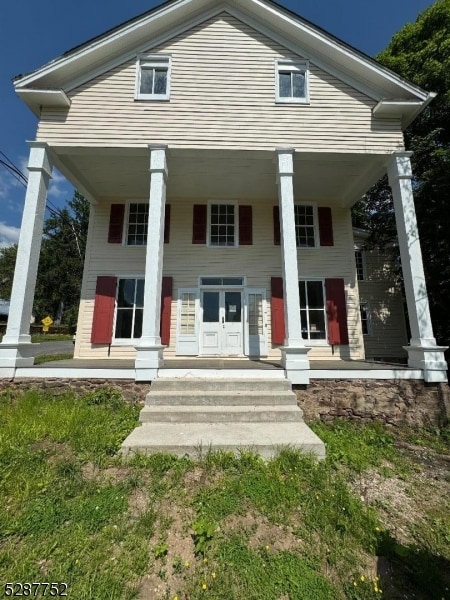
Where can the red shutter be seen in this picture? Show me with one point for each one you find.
(199, 225)
(167, 224)
(336, 312)
(166, 308)
(325, 226)
(276, 226)
(105, 298)
(116, 219)
(277, 305)
(245, 226)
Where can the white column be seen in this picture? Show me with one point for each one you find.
(16, 349)
(149, 357)
(423, 352)
(294, 352)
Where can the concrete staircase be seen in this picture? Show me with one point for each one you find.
(185, 415)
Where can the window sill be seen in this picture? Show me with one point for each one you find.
(303, 101)
(125, 342)
(152, 99)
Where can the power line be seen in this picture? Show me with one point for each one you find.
(49, 205)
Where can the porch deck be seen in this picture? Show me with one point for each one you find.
(202, 367)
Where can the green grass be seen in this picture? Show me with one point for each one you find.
(44, 358)
(218, 527)
(38, 338)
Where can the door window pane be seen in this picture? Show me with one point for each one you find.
(210, 307)
(233, 307)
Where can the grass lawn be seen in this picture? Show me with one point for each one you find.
(39, 338)
(371, 521)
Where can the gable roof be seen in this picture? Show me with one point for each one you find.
(48, 85)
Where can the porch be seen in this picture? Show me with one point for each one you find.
(125, 369)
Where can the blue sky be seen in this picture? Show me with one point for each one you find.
(34, 33)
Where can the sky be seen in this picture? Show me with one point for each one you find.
(33, 33)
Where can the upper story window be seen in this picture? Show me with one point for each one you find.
(360, 265)
(292, 82)
(222, 225)
(305, 226)
(153, 77)
(137, 224)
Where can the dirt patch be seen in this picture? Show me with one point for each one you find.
(167, 573)
(263, 534)
(56, 452)
(90, 472)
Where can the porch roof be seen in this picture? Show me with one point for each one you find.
(340, 178)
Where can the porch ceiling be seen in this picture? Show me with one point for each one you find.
(124, 173)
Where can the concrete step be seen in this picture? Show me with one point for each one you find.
(217, 398)
(189, 439)
(220, 414)
(186, 384)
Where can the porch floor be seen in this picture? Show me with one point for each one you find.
(218, 363)
(110, 369)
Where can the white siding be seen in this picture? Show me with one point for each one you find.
(385, 304)
(222, 96)
(185, 262)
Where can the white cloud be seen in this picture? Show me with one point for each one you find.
(9, 235)
(58, 186)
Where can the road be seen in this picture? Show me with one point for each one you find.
(65, 347)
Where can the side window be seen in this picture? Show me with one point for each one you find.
(365, 318)
(360, 265)
(292, 82)
(153, 78)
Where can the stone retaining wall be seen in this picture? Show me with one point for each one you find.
(131, 391)
(413, 403)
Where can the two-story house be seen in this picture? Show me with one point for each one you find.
(221, 145)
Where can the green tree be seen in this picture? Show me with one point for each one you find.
(420, 52)
(7, 264)
(61, 262)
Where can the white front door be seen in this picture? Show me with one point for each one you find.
(222, 323)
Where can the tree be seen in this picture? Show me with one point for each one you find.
(7, 264)
(61, 262)
(420, 52)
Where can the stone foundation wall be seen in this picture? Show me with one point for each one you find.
(413, 403)
(131, 391)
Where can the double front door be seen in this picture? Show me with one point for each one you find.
(222, 323)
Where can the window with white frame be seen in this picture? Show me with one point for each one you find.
(187, 313)
(292, 82)
(365, 318)
(129, 309)
(222, 225)
(137, 224)
(360, 265)
(305, 230)
(313, 310)
(153, 77)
